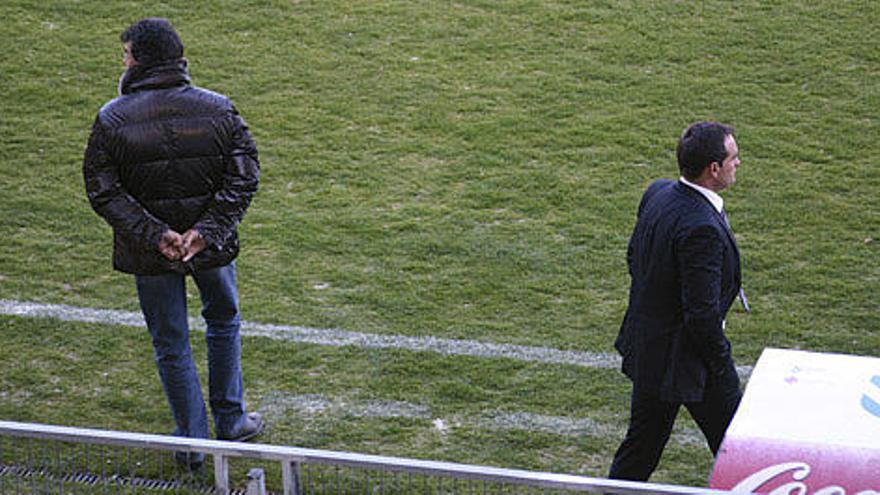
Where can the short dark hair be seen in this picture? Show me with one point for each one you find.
(153, 41)
(701, 144)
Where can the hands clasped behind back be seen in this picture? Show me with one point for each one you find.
(181, 247)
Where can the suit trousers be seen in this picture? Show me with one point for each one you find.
(651, 421)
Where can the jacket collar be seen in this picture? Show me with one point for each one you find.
(713, 197)
(704, 200)
(167, 74)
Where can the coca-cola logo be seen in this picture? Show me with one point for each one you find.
(792, 476)
(871, 405)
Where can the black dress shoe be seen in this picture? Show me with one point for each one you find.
(192, 461)
(252, 426)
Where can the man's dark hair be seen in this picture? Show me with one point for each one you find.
(153, 41)
(701, 144)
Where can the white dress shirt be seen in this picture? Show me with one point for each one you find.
(713, 197)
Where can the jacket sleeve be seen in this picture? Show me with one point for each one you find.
(241, 175)
(700, 258)
(110, 199)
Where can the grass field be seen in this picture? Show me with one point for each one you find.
(465, 170)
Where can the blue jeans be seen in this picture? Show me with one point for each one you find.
(163, 301)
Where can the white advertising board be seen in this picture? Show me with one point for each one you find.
(809, 423)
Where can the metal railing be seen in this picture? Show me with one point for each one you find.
(52, 459)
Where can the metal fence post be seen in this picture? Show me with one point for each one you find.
(290, 477)
(256, 484)
(221, 474)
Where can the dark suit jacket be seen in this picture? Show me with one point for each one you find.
(685, 272)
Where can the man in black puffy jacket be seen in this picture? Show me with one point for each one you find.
(172, 168)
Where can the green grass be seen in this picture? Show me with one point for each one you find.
(462, 170)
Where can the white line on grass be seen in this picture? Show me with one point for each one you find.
(338, 338)
(275, 405)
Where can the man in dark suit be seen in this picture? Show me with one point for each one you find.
(685, 271)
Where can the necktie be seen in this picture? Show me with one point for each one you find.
(742, 293)
(726, 220)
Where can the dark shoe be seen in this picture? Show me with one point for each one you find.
(252, 426)
(192, 461)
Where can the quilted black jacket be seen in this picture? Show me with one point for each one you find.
(168, 155)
